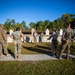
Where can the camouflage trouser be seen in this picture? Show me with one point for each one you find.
(3, 47)
(65, 46)
(18, 47)
(35, 39)
(32, 40)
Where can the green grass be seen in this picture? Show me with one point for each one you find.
(44, 48)
(48, 67)
(52, 67)
(30, 48)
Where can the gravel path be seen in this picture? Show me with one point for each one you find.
(33, 57)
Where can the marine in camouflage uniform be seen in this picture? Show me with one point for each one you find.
(17, 42)
(35, 37)
(3, 42)
(66, 41)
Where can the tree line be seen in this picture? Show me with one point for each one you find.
(42, 25)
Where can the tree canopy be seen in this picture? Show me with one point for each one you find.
(42, 25)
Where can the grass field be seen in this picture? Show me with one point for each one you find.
(48, 67)
(30, 48)
(44, 48)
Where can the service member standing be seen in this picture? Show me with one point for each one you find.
(3, 42)
(66, 40)
(41, 37)
(35, 37)
(17, 35)
(54, 37)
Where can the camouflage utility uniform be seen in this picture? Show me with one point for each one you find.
(35, 36)
(17, 43)
(3, 42)
(66, 41)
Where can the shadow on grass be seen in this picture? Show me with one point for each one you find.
(48, 44)
(73, 46)
(44, 47)
(39, 49)
(10, 52)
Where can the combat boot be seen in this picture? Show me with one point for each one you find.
(15, 57)
(67, 58)
(7, 55)
(1, 56)
(19, 56)
(59, 57)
